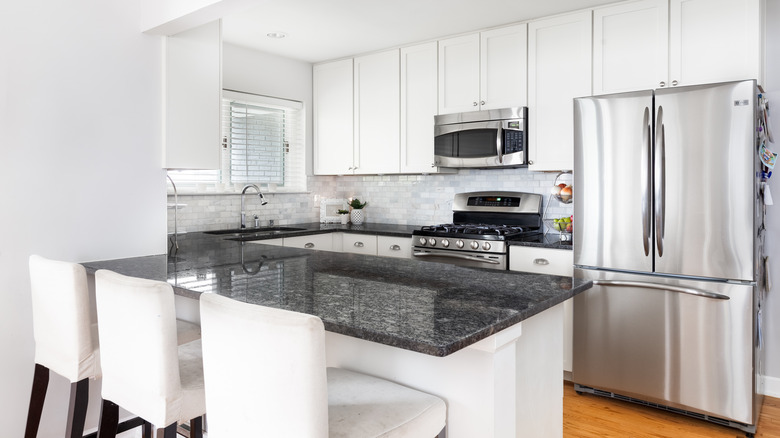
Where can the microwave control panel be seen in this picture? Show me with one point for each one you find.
(513, 141)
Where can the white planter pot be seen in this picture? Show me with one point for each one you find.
(344, 219)
(356, 216)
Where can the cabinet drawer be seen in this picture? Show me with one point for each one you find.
(322, 242)
(400, 247)
(541, 260)
(359, 243)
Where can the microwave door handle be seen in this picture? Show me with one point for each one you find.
(499, 148)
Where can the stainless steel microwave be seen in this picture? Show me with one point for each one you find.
(482, 139)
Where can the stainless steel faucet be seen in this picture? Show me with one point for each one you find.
(259, 194)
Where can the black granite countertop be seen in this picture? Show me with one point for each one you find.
(307, 229)
(427, 307)
(550, 241)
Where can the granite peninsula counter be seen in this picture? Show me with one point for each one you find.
(483, 340)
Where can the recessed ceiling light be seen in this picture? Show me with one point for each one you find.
(276, 35)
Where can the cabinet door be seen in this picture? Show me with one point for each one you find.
(400, 247)
(459, 74)
(715, 41)
(504, 67)
(333, 118)
(418, 106)
(377, 113)
(359, 243)
(630, 46)
(322, 242)
(193, 89)
(559, 69)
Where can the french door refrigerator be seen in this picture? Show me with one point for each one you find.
(666, 224)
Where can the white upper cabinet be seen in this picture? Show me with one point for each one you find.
(377, 113)
(192, 97)
(333, 118)
(715, 41)
(559, 69)
(630, 46)
(419, 103)
(504, 67)
(483, 71)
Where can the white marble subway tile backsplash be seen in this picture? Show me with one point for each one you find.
(397, 199)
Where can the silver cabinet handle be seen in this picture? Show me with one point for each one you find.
(309, 245)
(662, 84)
(475, 104)
(674, 83)
(395, 247)
(662, 287)
(541, 262)
(530, 161)
(481, 102)
(359, 244)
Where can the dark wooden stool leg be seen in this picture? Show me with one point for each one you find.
(109, 419)
(168, 432)
(196, 427)
(147, 430)
(37, 396)
(77, 409)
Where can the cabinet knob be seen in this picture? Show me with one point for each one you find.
(481, 102)
(530, 161)
(309, 245)
(662, 84)
(541, 262)
(475, 104)
(674, 83)
(395, 248)
(359, 244)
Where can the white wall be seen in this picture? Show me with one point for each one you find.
(80, 159)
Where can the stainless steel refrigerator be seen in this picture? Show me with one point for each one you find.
(667, 223)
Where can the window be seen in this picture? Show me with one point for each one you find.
(262, 143)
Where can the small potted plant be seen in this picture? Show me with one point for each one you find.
(344, 217)
(357, 211)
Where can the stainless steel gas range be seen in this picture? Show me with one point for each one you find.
(482, 225)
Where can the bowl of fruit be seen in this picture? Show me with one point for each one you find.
(561, 224)
(562, 188)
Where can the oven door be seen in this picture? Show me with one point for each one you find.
(462, 258)
(494, 143)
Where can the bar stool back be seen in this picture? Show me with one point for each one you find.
(265, 375)
(144, 371)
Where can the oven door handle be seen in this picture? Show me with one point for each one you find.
(457, 256)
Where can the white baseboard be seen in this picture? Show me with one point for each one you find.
(771, 386)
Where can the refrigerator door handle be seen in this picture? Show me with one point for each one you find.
(645, 178)
(664, 287)
(660, 177)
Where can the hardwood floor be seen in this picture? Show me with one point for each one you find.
(598, 417)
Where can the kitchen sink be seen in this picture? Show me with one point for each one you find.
(261, 230)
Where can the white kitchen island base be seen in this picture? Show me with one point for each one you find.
(507, 385)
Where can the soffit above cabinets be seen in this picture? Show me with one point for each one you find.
(323, 30)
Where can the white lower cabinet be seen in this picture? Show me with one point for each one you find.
(400, 247)
(359, 243)
(322, 242)
(277, 242)
(553, 262)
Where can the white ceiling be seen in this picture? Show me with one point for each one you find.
(319, 30)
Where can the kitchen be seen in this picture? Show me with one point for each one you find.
(117, 187)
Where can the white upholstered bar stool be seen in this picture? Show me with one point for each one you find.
(66, 340)
(265, 375)
(144, 371)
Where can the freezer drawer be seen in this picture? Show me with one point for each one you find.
(647, 337)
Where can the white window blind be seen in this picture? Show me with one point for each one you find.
(262, 143)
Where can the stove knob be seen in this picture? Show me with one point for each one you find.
(475, 245)
(459, 243)
(432, 241)
(423, 241)
(486, 246)
(445, 243)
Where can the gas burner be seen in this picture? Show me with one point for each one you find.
(476, 229)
